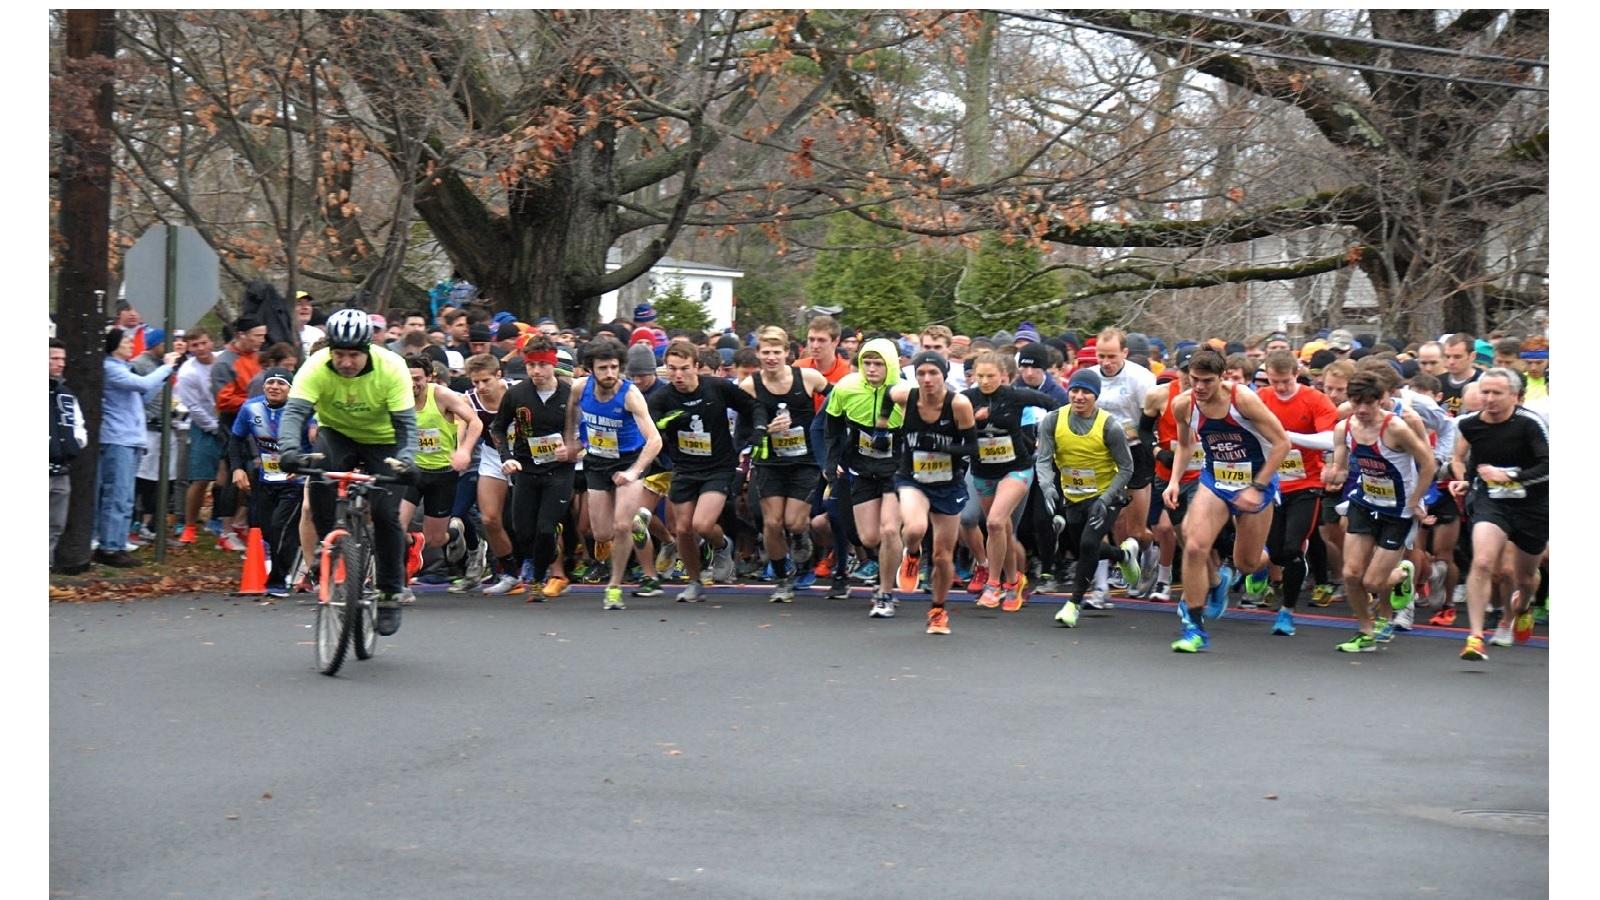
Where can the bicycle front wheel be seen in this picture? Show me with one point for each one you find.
(365, 638)
(338, 620)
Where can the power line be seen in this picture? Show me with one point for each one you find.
(1371, 42)
(1246, 51)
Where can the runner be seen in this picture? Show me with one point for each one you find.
(1309, 418)
(1244, 446)
(529, 424)
(1502, 465)
(446, 430)
(1393, 468)
(619, 442)
(930, 483)
(692, 418)
(785, 471)
(1002, 473)
(274, 495)
(366, 416)
(1084, 467)
(1124, 384)
(1335, 382)
(488, 392)
(861, 421)
(1159, 427)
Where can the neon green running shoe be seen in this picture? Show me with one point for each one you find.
(1361, 643)
(613, 599)
(1193, 641)
(1406, 590)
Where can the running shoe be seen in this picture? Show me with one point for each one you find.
(906, 577)
(841, 587)
(503, 585)
(1444, 618)
(1437, 573)
(1474, 649)
(1011, 599)
(1405, 593)
(1162, 592)
(214, 525)
(722, 562)
(1541, 613)
(455, 545)
(980, 579)
(1129, 565)
(1502, 635)
(1068, 615)
(1383, 631)
(1186, 615)
(678, 573)
(1322, 595)
(388, 621)
(1097, 599)
(882, 607)
(691, 593)
(230, 541)
(648, 587)
(554, 587)
(990, 598)
(613, 599)
(580, 570)
(602, 551)
(641, 527)
(1522, 630)
(805, 579)
(1115, 581)
(1150, 570)
(938, 621)
(1360, 643)
(867, 572)
(187, 537)
(1404, 619)
(277, 591)
(1048, 584)
(784, 592)
(1255, 589)
(824, 567)
(1217, 599)
(526, 572)
(1284, 624)
(665, 556)
(1193, 641)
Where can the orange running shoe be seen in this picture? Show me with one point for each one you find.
(602, 551)
(824, 567)
(938, 621)
(414, 555)
(980, 577)
(1011, 595)
(1444, 618)
(554, 586)
(1474, 649)
(990, 598)
(188, 535)
(906, 577)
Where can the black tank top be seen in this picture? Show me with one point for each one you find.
(793, 446)
(1452, 392)
(931, 468)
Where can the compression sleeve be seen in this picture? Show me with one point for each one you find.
(1322, 440)
(1044, 462)
(1117, 443)
(293, 423)
(405, 434)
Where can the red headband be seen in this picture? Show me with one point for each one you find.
(540, 356)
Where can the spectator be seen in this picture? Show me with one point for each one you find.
(205, 436)
(67, 436)
(303, 311)
(122, 442)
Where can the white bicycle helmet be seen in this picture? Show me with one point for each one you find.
(349, 329)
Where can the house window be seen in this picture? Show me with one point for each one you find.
(705, 292)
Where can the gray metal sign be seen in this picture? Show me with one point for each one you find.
(196, 278)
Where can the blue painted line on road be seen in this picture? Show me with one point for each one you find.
(1315, 620)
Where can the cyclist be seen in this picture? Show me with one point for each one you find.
(366, 416)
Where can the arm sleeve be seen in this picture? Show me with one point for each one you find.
(1538, 448)
(1322, 440)
(238, 447)
(965, 444)
(1117, 443)
(80, 430)
(293, 423)
(834, 433)
(749, 410)
(1044, 462)
(405, 433)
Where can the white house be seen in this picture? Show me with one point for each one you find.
(711, 285)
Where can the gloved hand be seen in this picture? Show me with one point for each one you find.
(1164, 457)
(399, 465)
(881, 439)
(292, 461)
(1100, 514)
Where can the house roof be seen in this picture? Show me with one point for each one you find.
(614, 258)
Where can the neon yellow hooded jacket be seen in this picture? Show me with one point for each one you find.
(853, 408)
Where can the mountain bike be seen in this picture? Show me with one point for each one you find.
(346, 596)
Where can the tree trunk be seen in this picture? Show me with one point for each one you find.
(85, 224)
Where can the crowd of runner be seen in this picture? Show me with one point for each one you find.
(1395, 477)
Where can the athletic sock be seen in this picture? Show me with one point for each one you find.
(1101, 573)
(1164, 573)
(780, 567)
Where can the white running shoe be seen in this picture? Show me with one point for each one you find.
(1502, 635)
(722, 562)
(784, 592)
(691, 593)
(882, 607)
(502, 585)
(1097, 599)
(1162, 591)
(1403, 619)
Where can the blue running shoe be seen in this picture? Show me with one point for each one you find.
(805, 580)
(1193, 641)
(867, 572)
(1284, 624)
(527, 571)
(1183, 615)
(1255, 588)
(1217, 600)
(1383, 631)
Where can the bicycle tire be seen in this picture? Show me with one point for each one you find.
(365, 638)
(347, 600)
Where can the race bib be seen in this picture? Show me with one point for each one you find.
(428, 441)
(1379, 490)
(1507, 490)
(1197, 460)
(543, 449)
(694, 443)
(270, 470)
(1080, 482)
(1293, 467)
(789, 442)
(1231, 476)
(603, 442)
(932, 467)
(996, 449)
(864, 447)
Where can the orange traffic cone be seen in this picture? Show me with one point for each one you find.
(254, 578)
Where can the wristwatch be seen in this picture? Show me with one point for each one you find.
(1259, 486)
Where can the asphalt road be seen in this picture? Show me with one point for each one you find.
(740, 749)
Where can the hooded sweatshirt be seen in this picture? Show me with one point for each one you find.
(852, 414)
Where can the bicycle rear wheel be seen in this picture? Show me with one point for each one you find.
(338, 620)
(365, 638)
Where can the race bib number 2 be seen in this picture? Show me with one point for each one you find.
(603, 442)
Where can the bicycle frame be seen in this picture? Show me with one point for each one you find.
(341, 529)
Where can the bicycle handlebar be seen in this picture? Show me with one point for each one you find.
(352, 477)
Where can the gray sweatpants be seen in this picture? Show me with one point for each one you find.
(60, 490)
